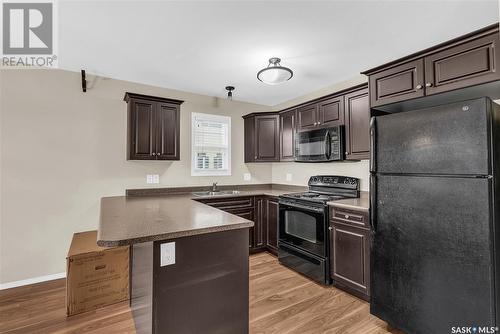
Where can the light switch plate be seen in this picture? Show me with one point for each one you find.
(247, 177)
(167, 254)
(288, 176)
(156, 178)
(149, 178)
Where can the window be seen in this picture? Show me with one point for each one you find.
(210, 145)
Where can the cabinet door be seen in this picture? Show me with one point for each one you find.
(357, 125)
(398, 83)
(331, 112)
(272, 214)
(167, 132)
(267, 138)
(259, 227)
(307, 117)
(350, 258)
(467, 64)
(247, 214)
(249, 138)
(142, 143)
(287, 135)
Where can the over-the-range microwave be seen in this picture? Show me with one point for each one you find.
(320, 145)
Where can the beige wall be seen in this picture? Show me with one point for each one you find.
(302, 171)
(62, 150)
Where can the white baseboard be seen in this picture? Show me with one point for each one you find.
(33, 280)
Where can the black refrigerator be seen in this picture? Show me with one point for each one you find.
(434, 185)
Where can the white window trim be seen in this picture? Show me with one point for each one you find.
(217, 118)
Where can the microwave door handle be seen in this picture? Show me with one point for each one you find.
(328, 145)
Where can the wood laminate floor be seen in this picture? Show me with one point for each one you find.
(281, 301)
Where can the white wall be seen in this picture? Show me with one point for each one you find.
(302, 171)
(62, 150)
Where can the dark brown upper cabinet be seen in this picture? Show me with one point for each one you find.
(357, 121)
(262, 137)
(466, 64)
(463, 62)
(307, 117)
(399, 83)
(153, 125)
(331, 112)
(322, 114)
(287, 134)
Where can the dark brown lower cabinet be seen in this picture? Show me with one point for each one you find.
(350, 255)
(272, 216)
(262, 210)
(259, 229)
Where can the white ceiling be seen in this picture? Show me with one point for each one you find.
(203, 46)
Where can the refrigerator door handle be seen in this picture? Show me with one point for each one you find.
(373, 202)
(373, 127)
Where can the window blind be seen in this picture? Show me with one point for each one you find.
(210, 144)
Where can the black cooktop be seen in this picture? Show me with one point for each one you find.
(325, 188)
(314, 197)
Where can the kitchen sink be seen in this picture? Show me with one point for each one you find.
(216, 193)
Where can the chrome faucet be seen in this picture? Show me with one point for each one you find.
(214, 187)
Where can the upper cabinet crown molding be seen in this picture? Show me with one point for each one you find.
(129, 95)
(463, 62)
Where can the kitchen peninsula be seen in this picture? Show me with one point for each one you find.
(189, 262)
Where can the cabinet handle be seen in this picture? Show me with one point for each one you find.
(315, 123)
(330, 228)
(428, 84)
(346, 216)
(418, 87)
(319, 123)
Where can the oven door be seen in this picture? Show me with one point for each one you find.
(303, 228)
(313, 145)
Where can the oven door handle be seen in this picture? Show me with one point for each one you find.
(302, 207)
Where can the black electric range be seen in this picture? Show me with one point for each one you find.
(303, 242)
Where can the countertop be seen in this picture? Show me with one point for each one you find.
(361, 203)
(162, 215)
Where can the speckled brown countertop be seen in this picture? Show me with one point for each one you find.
(361, 203)
(162, 215)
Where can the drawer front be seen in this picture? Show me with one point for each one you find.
(467, 64)
(349, 217)
(230, 203)
(398, 83)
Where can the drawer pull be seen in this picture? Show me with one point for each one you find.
(346, 216)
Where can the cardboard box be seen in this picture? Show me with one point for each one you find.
(95, 276)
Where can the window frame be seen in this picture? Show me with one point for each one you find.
(215, 118)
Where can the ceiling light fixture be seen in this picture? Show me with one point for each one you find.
(230, 92)
(274, 73)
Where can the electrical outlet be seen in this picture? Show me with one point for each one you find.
(247, 177)
(288, 177)
(152, 178)
(167, 254)
(156, 178)
(149, 178)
